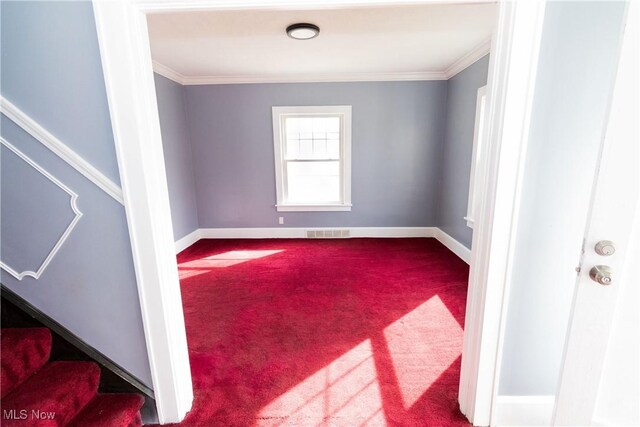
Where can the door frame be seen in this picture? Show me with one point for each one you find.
(126, 60)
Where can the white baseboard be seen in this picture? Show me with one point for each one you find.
(301, 232)
(188, 240)
(454, 246)
(523, 411)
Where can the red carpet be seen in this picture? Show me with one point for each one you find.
(345, 332)
(36, 392)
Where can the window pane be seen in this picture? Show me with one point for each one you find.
(313, 182)
(312, 138)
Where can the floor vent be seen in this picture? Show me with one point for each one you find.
(328, 234)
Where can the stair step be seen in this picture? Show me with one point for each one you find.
(60, 390)
(24, 351)
(111, 410)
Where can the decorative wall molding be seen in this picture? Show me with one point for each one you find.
(523, 411)
(469, 59)
(74, 207)
(63, 151)
(465, 61)
(454, 246)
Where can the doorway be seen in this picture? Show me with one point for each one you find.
(128, 71)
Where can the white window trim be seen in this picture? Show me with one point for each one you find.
(344, 111)
(477, 168)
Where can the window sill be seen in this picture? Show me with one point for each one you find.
(313, 208)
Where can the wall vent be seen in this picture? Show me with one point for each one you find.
(328, 234)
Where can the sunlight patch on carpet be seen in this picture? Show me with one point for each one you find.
(422, 344)
(200, 266)
(343, 392)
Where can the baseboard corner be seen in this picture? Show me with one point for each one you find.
(453, 245)
(188, 240)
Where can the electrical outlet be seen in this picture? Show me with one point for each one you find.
(280, 220)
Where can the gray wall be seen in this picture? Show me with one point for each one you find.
(576, 71)
(457, 150)
(177, 155)
(51, 70)
(396, 149)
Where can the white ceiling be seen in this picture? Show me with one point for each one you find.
(375, 43)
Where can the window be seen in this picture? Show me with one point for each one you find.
(477, 159)
(312, 147)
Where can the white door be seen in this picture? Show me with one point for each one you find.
(600, 377)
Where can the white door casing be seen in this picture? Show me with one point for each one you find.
(127, 65)
(614, 216)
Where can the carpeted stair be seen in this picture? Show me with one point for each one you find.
(36, 392)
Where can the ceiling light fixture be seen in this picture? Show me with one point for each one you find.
(303, 31)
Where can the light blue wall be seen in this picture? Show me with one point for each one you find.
(457, 150)
(396, 149)
(66, 68)
(51, 70)
(177, 156)
(574, 82)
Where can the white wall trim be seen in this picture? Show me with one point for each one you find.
(62, 150)
(301, 232)
(453, 245)
(125, 53)
(188, 240)
(74, 207)
(523, 410)
(510, 89)
(169, 73)
(468, 59)
(177, 77)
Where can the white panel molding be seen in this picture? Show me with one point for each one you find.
(468, 60)
(188, 240)
(62, 150)
(454, 246)
(523, 410)
(74, 207)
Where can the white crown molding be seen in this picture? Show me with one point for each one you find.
(169, 73)
(63, 151)
(459, 65)
(74, 207)
(468, 59)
